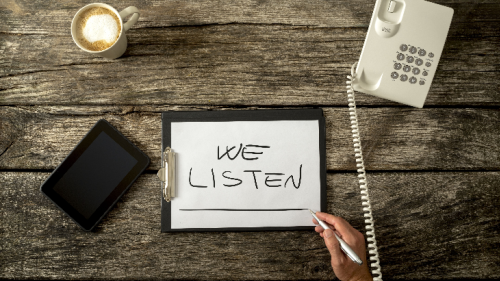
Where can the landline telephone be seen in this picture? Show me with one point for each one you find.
(402, 50)
(398, 62)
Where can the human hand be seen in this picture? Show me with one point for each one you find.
(345, 269)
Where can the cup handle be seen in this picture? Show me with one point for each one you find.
(127, 12)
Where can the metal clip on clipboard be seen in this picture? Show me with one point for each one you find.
(167, 174)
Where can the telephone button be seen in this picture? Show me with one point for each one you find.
(428, 64)
(403, 47)
(401, 57)
(422, 82)
(392, 7)
(403, 77)
(413, 49)
(419, 62)
(431, 55)
(407, 68)
(424, 73)
(422, 52)
(416, 70)
(409, 59)
(413, 80)
(394, 75)
(397, 66)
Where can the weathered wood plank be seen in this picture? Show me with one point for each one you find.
(199, 55)
(229, 73)
(236, 63)
(39, 17)
(392, 138)
(438, 220)
(422, 219)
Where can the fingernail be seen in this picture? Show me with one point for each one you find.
(328, 233)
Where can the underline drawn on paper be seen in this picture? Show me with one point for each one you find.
(245, 210)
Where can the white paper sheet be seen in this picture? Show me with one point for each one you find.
(214, 191)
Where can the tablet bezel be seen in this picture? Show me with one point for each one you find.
(47, 188)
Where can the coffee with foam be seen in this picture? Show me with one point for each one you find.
(98, 28)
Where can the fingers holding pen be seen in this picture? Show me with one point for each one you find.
(341, 226)
(346, 267)
(320, 229)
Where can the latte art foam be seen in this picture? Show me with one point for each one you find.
(98, 29)
(101, 27)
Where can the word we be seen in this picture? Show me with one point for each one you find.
(243, 151)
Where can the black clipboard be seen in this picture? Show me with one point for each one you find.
(242, 115)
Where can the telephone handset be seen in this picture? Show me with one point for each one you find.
(398, 62)
(402, 50)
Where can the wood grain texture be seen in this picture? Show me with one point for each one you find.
(393, 138)
(248, 53)
(433, 172)
(422, 219)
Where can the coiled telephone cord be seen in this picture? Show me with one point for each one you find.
(363, 185)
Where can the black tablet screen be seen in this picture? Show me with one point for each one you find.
(105, 163)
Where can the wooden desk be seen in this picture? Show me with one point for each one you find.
(433, 173)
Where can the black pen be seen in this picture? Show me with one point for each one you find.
(343, 245)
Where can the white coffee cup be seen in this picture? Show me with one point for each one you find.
(119, 47)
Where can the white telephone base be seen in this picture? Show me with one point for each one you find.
(402, 50)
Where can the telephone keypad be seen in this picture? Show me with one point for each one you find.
(408, 66)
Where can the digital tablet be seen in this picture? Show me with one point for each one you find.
(93, 177)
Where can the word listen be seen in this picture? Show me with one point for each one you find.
(257, 177)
